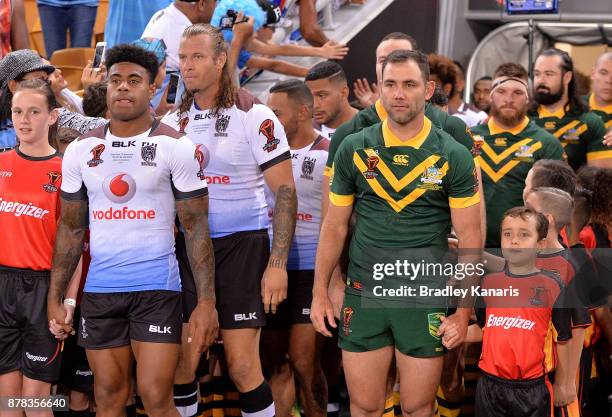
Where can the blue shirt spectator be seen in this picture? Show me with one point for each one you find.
(127, 19)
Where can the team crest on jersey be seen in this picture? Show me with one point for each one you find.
(347, 315)
(308, 168)
(550, 125)
(51, 186)
(148, 153)
(96, 152)
(434, 320)
(371, 163)
(571, 135)
(202, 156)
(477, 145)
(266, 128)
(501, 142)
(432, 178)
(536, 300)
(221, 126)
(183, 124)
(523, 154)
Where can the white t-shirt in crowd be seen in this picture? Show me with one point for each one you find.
(168, 24)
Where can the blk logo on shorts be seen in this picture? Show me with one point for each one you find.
(160, 329)
(245, 316)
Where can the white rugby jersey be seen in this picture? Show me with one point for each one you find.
(308, 165)
(236, 146)
(131, 185)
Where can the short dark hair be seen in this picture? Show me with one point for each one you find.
(555, 174)
(296, 90)
(460, 66)
(326, 69)
(94, 100)
(404, 55)
(439, 97)
(135, 55)
(511, 69)
(400, 36)
(524, 213)
(484, 78)
(575, 103)
(582, 207)
(587, 175)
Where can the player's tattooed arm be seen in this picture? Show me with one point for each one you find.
(68, 246)
(283, 220)
(193, 215)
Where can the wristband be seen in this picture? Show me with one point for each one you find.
(71, 302)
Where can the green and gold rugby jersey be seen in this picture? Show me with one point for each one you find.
(369, 116)
(402, 190)
(505, 157)
(604, 112)
(581, 135)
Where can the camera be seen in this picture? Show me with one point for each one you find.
(228, 21)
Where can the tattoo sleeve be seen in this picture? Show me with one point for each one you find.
(193, 215)
(68, 245)
(285, 212)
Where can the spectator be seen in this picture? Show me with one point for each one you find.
(309, 24)
(127, 19)
(457, 107)
(168, 24)
(481, 95)
(17, 66)
(13, 32)
(57, 16)
(94, 100)
(64, 96)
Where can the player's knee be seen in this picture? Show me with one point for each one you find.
(414, 409)
(242, 369)
(363, 408)
(78, 400)
(304, 368)
(155, 396)
(111, 394)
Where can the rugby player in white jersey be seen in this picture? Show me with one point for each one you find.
(239, 150)
(130, 178)
(290, 331)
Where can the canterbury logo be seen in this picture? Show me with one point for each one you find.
(400, 160)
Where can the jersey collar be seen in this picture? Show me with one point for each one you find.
(494, 128)
(380, 110)
(416, 141)
(543, 112)
(594, 106)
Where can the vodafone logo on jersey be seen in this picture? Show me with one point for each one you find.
(119, 187)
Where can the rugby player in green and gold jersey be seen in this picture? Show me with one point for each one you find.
(509, 145)
(561, 111)
(375, 113)
(408, 183)
(600, 100)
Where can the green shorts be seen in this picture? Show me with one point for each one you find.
(412, 331)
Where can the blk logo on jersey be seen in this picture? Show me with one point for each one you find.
(96, 152)
(148, 152)
(119, 188)
(121, 144)
(202, 155)
(267, 129)
(51, 186)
